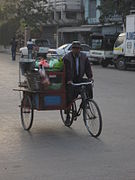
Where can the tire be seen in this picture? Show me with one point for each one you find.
(92, 116)
(104, 64)
(72, 115)
(27, 112)
(120, 63)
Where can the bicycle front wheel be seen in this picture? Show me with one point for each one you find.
(92, 118)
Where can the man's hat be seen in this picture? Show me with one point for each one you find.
(76, 44)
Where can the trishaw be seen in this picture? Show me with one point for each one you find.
(35, 97)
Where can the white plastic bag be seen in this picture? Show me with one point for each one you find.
(44, 77)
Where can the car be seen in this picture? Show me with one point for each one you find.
(64, 49)
(40, 45)
(52, 53)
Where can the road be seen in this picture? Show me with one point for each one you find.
(51, 151)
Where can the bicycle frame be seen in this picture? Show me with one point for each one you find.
(91, 113)
(83, 100)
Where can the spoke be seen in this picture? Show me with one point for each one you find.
(92, 118)
(27, 113)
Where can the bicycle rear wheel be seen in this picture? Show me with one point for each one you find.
(27, 112)
(71, 113)
(92, 118)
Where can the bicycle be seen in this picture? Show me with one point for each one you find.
(91, 113)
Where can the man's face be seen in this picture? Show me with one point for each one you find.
(76, 50)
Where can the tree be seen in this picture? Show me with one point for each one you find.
(9, 23)
(33, 13)
(8, 10)
(113, 8)
(24, 12)
(7, 31)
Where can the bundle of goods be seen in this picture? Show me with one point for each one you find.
(52, 65)
(42, 62)
(56, 64)
(39, 80)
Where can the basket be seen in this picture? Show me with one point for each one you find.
(34, 81)
(26, 65)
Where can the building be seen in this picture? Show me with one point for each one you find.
(88, 25)
(92, 13)
(65, 13)
(76, 20)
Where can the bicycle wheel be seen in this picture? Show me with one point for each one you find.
(92, 118)
(27, 112)
(64, 114)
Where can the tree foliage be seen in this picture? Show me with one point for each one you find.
(7, 31)
(23, 12)
(33, 13)
(113, 8)
(8, 10)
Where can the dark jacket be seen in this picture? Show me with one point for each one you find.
(13, 45)
(70, 66)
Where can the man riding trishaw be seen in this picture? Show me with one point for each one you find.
(77, 65)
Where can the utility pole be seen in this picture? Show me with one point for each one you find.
(26, 35)
(55, 18)
(55, 15)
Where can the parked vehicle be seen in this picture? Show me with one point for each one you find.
(64, 49)
(101, 49)
(124, 47)
(52, 53)
(40, 45)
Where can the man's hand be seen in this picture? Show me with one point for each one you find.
(90, 79)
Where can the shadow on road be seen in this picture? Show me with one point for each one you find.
(62, 139)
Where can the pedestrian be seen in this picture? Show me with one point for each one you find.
(30, 48)
(76, 66)
(13, 48)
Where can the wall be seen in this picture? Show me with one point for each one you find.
(67, 12)
(112, 29)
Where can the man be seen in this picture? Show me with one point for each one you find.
(30, 48)
(13, 48)
(77, 65)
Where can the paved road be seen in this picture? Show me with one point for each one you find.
(50, 151)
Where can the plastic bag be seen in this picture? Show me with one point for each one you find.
(44, 78)
(59, 65)
(53, 62)
(36, 64)
(44, 63)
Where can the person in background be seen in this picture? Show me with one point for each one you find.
(30, 48)
(13, 48)
(76, 66)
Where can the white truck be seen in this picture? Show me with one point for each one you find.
(41, 45)
(101, 49)
(124, 47)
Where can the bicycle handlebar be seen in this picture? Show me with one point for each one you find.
(83, 83)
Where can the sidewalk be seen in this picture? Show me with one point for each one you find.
(7, 50)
